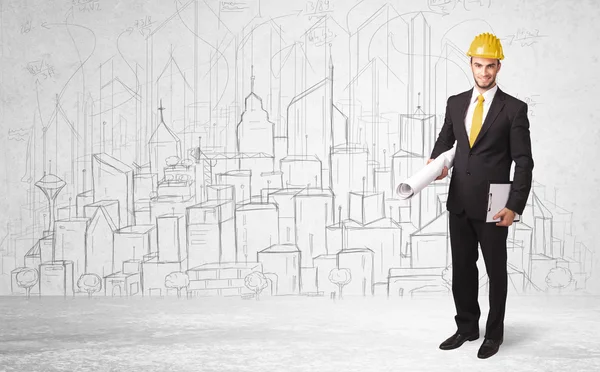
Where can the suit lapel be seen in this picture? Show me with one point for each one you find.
(495, 108)
(466, 99)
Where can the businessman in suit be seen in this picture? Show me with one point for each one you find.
(491, 131)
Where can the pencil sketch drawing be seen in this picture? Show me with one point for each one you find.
(247, 149)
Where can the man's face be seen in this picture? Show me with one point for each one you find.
(485, 71)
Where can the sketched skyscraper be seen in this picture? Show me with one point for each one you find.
(255, 131)
(50, 186)
(419, 64)
(418, 126)
(315, 125)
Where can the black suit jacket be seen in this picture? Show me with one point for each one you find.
(504, 138)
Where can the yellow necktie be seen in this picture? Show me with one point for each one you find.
(477, 120)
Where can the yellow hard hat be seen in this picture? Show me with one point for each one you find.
(486, 45)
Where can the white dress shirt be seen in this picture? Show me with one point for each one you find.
(488, 97)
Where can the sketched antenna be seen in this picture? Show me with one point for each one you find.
(161, 109)
(418, 110)
(252, 79)
(50, 186)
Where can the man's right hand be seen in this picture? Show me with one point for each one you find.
(443, 174)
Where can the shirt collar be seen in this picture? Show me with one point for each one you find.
(488, 96)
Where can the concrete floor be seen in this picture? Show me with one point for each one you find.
(543, 333)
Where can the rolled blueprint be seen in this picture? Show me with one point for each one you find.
(417, 182)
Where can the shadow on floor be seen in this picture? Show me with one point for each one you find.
(522, 333)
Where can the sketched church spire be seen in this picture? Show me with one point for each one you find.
(255, 132)
(163, 144)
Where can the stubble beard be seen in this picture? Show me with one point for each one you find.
(485, 87)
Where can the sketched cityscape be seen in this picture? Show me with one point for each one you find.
(228, 173)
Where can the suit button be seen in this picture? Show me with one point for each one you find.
(470, 155)
(468, 173)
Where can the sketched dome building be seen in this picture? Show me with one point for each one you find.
(50, 185)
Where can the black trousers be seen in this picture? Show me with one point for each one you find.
(465, 234)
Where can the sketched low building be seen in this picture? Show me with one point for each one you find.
(359, 261)
(111, 209)
(113, 180)
(348, 173)
(211, 233)
(408, 281)
(430, 246)
(383, 237)
(366, 207)
(313, 210)
(324, 264)
(100, 243)
(127, 282)
(284, 199)
(302, 171)
(122, 284)
(154, 274)
(70, 243)
(240, 180)
(303, 215)
(256, 229)
(40, 252)
(282, 260)
(222, 279)
(334, 237)
(133, 243)
(171, 237)
(56, 279)
(86, 242)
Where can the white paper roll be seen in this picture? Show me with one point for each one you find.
(426, 175)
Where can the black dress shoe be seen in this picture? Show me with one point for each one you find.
(489, 348)
(457, 339)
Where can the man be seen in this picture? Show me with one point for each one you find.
(491, 131)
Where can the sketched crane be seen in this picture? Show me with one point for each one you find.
(207, 165)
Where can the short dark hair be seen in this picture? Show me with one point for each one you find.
(471, 61)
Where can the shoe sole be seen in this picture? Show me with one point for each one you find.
(472, 338)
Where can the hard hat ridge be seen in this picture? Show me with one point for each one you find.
(486, 45)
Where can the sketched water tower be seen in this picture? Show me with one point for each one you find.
(50, 186)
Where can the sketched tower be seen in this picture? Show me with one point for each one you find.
(314, 125)
(255, 132)
(50, 186)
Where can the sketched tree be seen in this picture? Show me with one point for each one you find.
(90, 283)
(177, 280)
(27, 278)
(172, 161)
(340, 277)
(559, 278)
(187, 162)
(256, 282)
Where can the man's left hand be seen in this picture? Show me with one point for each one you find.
(507, 217)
